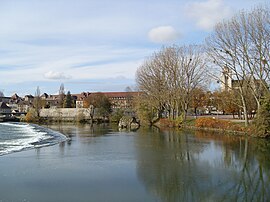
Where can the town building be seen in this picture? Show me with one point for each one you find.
(80, 99)
(226, 79)
(17, 104)
(228, 83)
(4, 109)
(5, 99)
(121, 100)
(29, 98)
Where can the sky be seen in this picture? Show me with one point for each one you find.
(96, 45)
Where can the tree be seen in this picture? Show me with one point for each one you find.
(145, 109)
(231, 102)
(37, 102)
(100, 102)
(128, 89)
(262, 120)
(31, 116)
(68, 101)
(198, 99)
(192, 71)
(129, 102)
(117, 115)
(2, 94)
(151, 81)
(241, 46)
(61, 97)
(169, 77)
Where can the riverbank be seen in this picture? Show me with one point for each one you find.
(223, 124)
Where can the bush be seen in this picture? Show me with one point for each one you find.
(117, 115)
(179, 120)
(262, 120)
(31, 116)
(171, 122)
(80, 117)
(206, 122)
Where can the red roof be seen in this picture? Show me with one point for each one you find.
(117, 94)
(84, 95)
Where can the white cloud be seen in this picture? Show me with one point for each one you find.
(55, 75)
(207, 13)
(163, 34)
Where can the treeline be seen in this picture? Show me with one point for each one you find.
(240, 46)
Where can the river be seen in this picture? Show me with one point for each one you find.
(100, 163)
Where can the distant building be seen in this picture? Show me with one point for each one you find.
(226, 79)
(228, 83)
(5, 99)
(80, 98)
(24, 106)
(4, 109)
(15, 97)
(29, 98)
(121, 100)
(52, 101)
(44, 96)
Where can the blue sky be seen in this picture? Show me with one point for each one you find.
(96, 45)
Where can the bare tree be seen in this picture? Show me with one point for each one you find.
(151, 80)
(259, 36)
(241, 46)
(37, 102)
(169, 77)
(192, 72)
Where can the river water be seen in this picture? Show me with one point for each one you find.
(100, 163)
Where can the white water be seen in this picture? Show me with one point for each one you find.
(16, 137)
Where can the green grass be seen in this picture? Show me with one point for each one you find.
(189, 122)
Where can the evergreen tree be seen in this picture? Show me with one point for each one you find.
(68, 101)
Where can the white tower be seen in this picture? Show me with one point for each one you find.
(226, 79)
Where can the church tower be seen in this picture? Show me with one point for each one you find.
(226, 79)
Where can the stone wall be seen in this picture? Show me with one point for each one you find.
(65, 113)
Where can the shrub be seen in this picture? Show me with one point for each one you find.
(31, 116)
(171, 122)
(179, 120)
(206, 122)
(117, 115)
(80, 117)
(262, 120)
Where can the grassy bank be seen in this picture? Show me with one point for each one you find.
(210, 124)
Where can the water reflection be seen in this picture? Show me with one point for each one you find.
(83, 130)
(178, 165)
(81, 133)
(189, 166)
